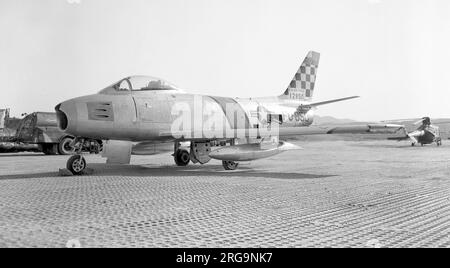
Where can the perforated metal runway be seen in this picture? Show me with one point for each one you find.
(332, 194)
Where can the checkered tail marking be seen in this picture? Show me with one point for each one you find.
(302, 85)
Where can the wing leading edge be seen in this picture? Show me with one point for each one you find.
(284, 132)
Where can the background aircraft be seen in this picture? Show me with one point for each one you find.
(153, 111)
(426, 133)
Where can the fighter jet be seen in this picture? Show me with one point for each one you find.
(151, 111)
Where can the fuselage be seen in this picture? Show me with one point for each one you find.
(142, 115)
(429, 134)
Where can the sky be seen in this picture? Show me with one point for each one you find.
(394, 54)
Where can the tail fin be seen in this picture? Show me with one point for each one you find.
(302, 85)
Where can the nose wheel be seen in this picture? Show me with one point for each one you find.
(76, 164)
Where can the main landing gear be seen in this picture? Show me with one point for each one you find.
(230, 165)
(182, 157)
(438, 143)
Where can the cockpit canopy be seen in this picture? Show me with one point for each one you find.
(139, 83)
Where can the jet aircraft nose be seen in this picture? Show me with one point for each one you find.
(66, 114)
(98, 116)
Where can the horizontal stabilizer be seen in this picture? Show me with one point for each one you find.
(315, 104)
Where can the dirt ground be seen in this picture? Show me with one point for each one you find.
(330, 194)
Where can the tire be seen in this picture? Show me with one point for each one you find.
(182, 158)
(230, 165)
(64, 148)
(76, 164)
(50, 149)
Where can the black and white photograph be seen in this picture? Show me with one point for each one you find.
(243, 127)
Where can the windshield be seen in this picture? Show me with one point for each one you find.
(149, 83)
(144, 83)
(139, 83)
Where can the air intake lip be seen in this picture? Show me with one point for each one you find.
(61, 118)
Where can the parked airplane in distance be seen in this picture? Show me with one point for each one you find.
(426, 133)
(153, 111)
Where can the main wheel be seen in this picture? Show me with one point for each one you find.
(229, 165)
(76, 164)
(182, 158)
(64, 146)
(50, 149)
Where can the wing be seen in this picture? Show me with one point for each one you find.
(119, 152)
(284, 132)
(152, 148)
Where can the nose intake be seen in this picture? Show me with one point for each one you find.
(61, 118)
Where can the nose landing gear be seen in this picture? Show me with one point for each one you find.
(76, 164)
